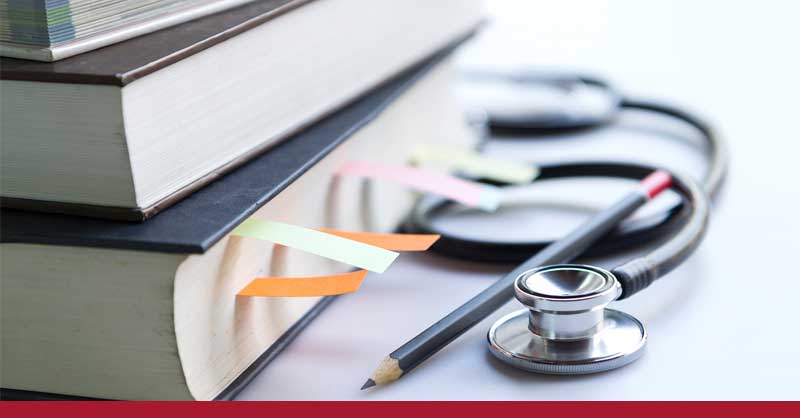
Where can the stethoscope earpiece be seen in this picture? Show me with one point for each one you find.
(566, 328)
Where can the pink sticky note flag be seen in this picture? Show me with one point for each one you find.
(466, 192)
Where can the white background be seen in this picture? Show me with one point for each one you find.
(724, 325)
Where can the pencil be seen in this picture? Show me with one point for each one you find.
(447, 329)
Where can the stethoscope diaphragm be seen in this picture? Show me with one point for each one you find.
(566, 328)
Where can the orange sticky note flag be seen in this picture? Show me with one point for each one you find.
(393, 242)
(336, 284)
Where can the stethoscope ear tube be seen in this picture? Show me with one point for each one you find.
(686, 225)
(682, 225)
(630, 234)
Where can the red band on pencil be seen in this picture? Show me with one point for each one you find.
(656, 183)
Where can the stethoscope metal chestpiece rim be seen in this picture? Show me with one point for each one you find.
(566, 328)
(566, 288)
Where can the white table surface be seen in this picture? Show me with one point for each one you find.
(725, 325)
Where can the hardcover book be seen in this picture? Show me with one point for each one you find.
(119, 310)
(127, 130)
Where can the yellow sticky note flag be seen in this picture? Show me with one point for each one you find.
(394, 242)
(364, 256)
(474, 163)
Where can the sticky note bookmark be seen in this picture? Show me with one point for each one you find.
(330, 246)
(466, 192)
(337, 284)
(394, 242)
(474, 163)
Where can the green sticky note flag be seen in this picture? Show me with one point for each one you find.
(474, 163)
(365, 256)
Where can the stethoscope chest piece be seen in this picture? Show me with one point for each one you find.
(566, 328)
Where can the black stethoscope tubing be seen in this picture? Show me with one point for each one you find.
(629, 235)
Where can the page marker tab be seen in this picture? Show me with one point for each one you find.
(337, 284)
(468, 193)
(394, 242)
(474, 163)
(334, 247)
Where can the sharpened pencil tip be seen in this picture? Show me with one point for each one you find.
(388, 371)
(368, 384)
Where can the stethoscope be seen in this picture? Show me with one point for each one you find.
(566, 327)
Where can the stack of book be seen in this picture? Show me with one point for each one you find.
(125, 168)
(50, 30)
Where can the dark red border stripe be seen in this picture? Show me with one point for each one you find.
(398, 409)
